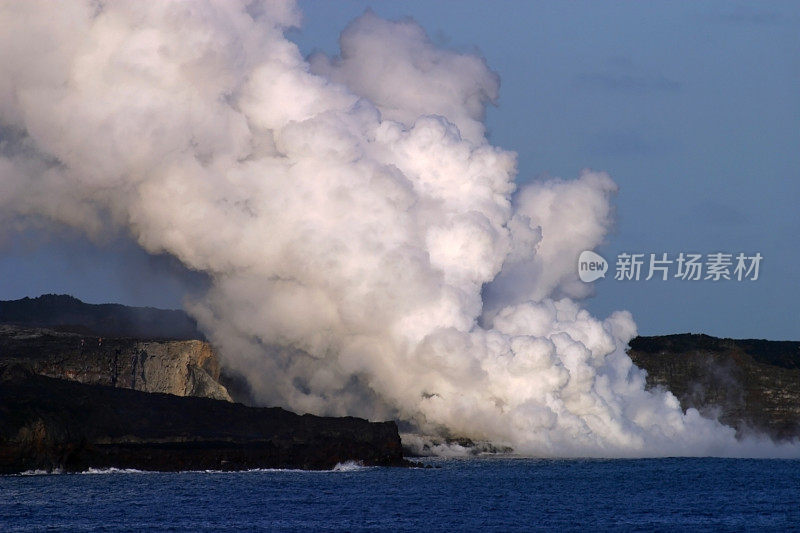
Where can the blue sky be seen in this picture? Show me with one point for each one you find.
(692, 108)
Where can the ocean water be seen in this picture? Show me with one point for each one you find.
(487, 494)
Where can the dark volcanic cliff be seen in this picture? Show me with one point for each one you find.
(183, 368)
(75, 394)
(752, 385)
(48, 423)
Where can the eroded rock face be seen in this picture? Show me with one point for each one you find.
(182, 368)
(48, 424)
(751, 385)
(71, 398)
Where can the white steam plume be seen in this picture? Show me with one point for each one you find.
(350, 214)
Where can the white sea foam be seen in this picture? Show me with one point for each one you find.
(39, 472)
(112, 470)
(349, 466)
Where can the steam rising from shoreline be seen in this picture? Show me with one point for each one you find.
(369, 251)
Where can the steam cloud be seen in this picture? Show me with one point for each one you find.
(368, 250)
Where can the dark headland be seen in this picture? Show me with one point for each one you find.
(98, 386)
(752, 385)
(82, 386)
(48, 423)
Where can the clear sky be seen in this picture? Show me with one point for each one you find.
(692, 108)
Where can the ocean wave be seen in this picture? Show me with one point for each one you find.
(349, 466)
(346, 466)
(40, 472)
(113, 470)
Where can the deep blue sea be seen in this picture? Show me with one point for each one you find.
(491, 494)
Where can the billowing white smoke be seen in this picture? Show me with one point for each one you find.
(367, 252)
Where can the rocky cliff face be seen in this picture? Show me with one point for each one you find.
(48, 424)
(182, 368)
(104, 386)
(752, 385)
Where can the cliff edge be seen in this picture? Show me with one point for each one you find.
(48, 424)
(752, 385)
(183, 368)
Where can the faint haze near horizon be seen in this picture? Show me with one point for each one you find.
(693, 109)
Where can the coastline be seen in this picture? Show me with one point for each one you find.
(48, 423)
